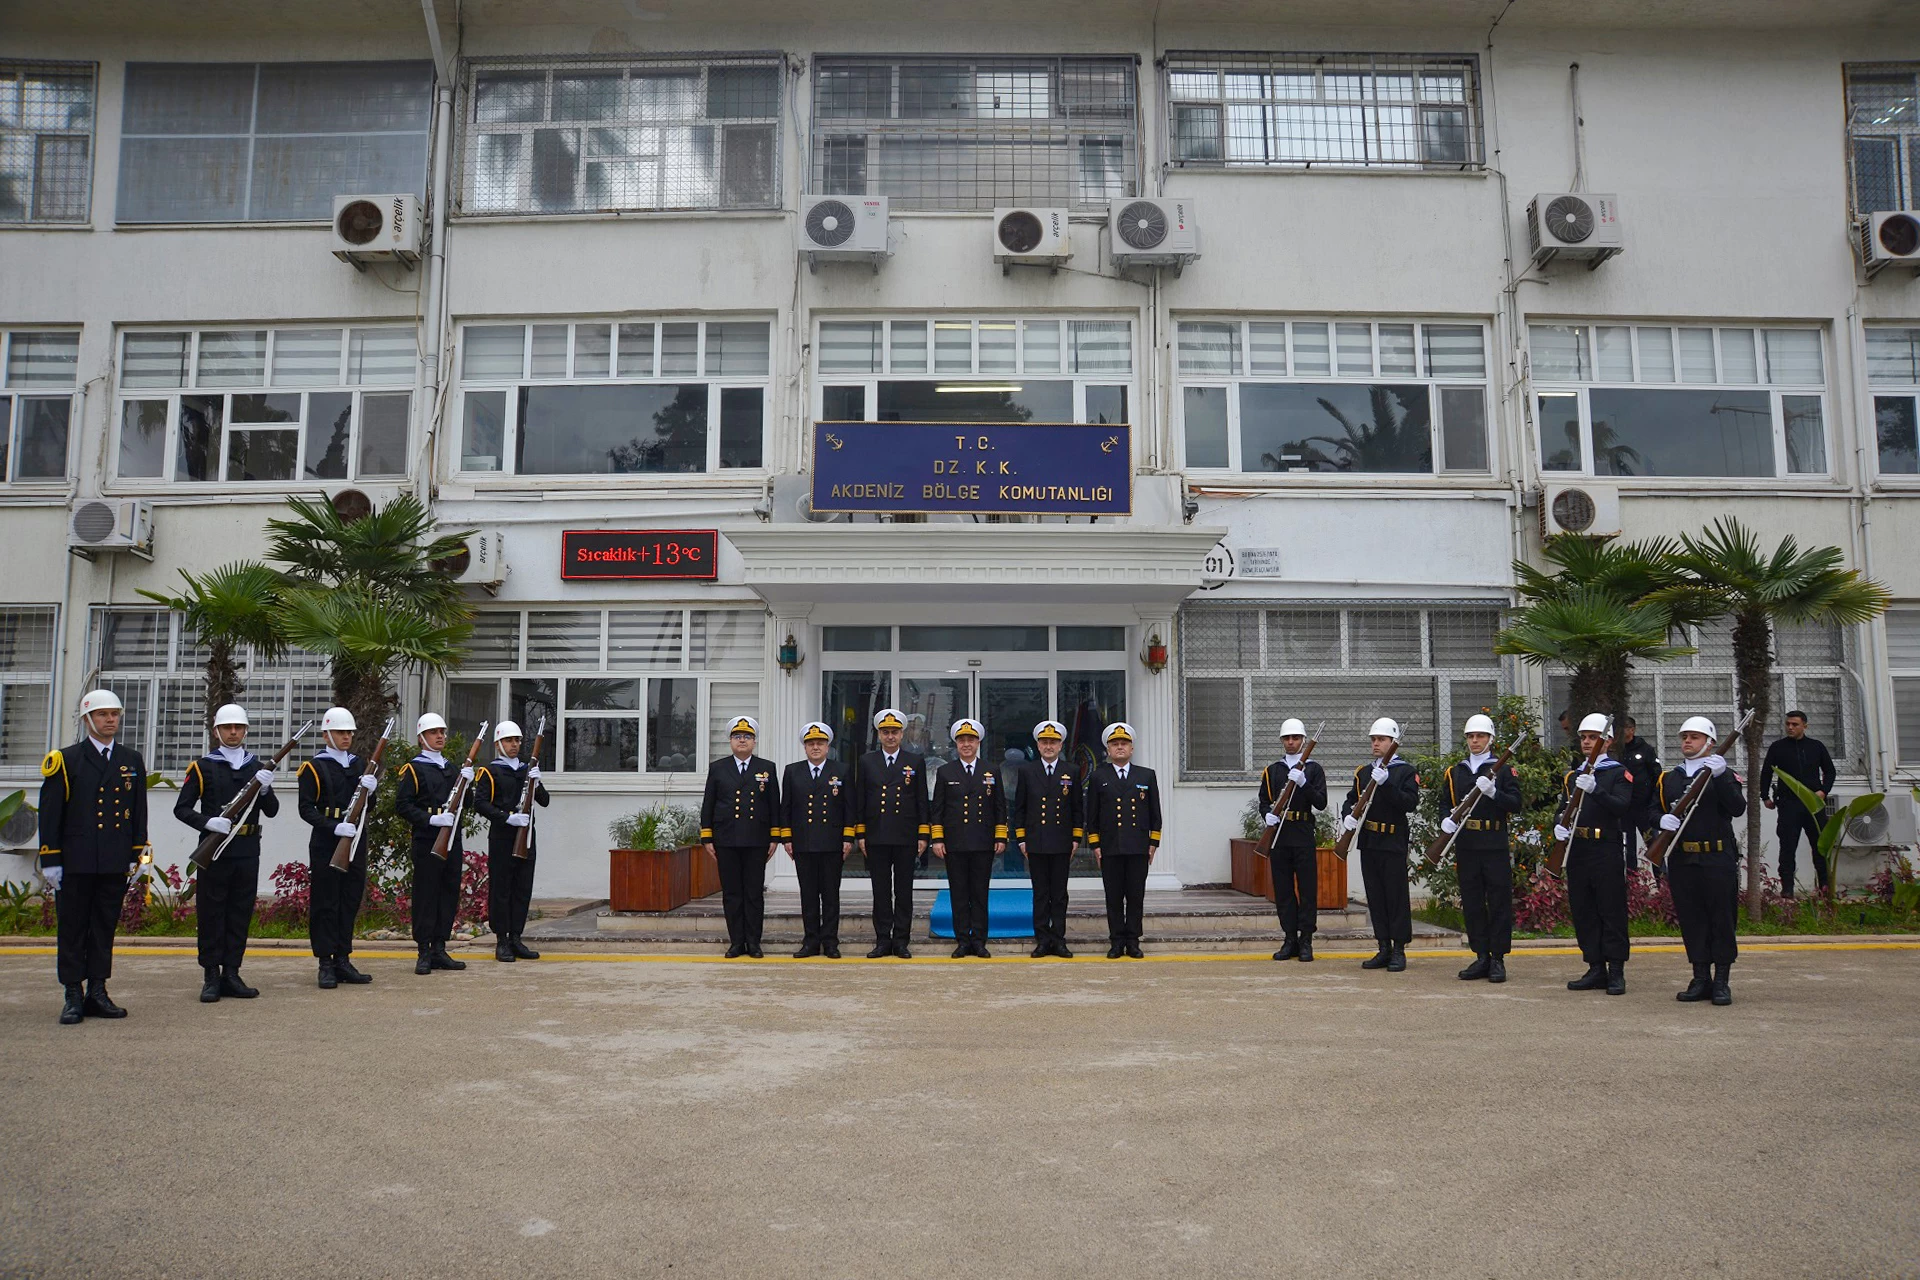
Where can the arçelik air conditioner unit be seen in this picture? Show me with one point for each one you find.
(482, 562)
(843, 229)
(1579, 225)
(1033, 237)
(376, 228)
(110, 524)
(1153, 233)
(1590, 510)
(1890, 238)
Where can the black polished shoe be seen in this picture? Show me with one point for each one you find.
(1593, 979)
(1306, 949)
(1699, 989)
(1722, 993)
(901, 949)
(1060, 949)
(1116, 951)
(1477, 970)
(807, 951)
(1496, 968)
(503, 953)
(831, 950)
(1289, 950)
(74, 1010)
(1378, 960)
(423, 964)
(521, 950)
(99, 1004)
(735, 951)
(754, 952)
(210, 989)
(980, 950)
(1616, 978)
(1397, 959)
(962, 951)
(1134, 952)
(343, 970)
(230, 985)
(881, 950)
(1041, 952)
(441, 960)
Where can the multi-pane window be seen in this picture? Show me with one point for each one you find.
(1679, 400)
(601, 398)
(37, 403)
(264, 405)
(27, 643)
(973, 133)
(1344, 397)
(1883, 136)
(158, 668)
(46, 141)
(1903, 657)
(1246, 667)
(956, 369)
(621, 691)
(269, 142)
(606, 135)
(1331, 110)
(1893, 371)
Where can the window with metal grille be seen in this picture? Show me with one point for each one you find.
(27, 641)
(1893, 371)
(1883, 135)
(1245, 667)
(974, 133)
(1323, 110)
(1903, 657)
(46, 141)
(37, 404)
(269, 142)
(597, 135)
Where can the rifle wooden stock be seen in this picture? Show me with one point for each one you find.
(522, 834)
(1344, 845)
(1684, 806)
(457, 801)
(213, 844)
(1569, 815)
(343, 850)
(1282, 803)
(1438, 846)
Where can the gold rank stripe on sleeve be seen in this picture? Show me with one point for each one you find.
(1153, 837)
(938, 832)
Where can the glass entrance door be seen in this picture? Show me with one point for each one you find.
(1009, 708)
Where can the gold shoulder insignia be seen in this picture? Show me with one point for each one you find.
(53, 764)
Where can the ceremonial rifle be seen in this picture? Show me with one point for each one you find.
(1438, 846)
(343, 851)
(458, 800)
(213, 844)
(1345, 842)
(1284, 801)
(1569, 815)
(521, 834)
(1690, 798)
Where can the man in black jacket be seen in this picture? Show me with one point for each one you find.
(497, 792)
(224, 900)
(1295, 858)
(817, 826)
(1703, 861)
(1382, 833)
(890, 810)
(739, 814)
(1596, 865)
(1482, 848)
(968, 820)
(1807, 761)
(1123, 826)
(1046, 821)
(93, 835)
(326, 786)
(422, 796)
(1642, 760)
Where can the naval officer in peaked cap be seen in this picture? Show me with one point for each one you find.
(739, 815)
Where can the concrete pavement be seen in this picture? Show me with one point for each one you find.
(1216, 1117)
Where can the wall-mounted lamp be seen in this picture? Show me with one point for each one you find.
(1154, 656)
(789, 656)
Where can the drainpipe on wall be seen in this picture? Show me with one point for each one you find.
(1883, 758)
(431, 381)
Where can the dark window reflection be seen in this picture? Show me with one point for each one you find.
(1335, 427)
(199, 445)
(610, 430)
(529, 704)
(1638, 432)
(672, 725)
(1559, 420)
(1028, 401)
(1899, 429)
(741, 419)
(1107, 406)
(329, 425)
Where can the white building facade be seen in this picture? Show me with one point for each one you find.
(1345, 419)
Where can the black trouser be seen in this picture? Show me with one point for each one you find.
(1125, 878)
(509, 890)
(87, 908)
(1597, 900)
(743, 890)
(890, 867)
(224, 909)
(1296, 888)
(1049, 871)
(1706, 898)
(436, 894)
(968, 873)
(1486, 900)
(334, 904)
(1788, 828)
(1383, 873)
(820, 896)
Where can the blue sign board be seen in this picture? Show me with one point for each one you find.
(1016, 468)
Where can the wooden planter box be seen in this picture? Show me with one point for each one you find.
(648, 879)
(1251, 873)
(703, 879)
(1332, 880)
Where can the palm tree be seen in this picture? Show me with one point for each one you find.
(1597, 635)
(1398, 439)
(236, 604)
(369, 595)
(1725, 574)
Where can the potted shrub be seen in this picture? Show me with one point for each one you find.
(650, 866)
(1332, 880)
(1252, 873)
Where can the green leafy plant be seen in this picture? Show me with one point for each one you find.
(659, 826)
(237, 604)
(1834, 829)
(10, 804)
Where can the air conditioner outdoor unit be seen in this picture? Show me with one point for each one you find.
(1590, 510)
(482, 562)
(1032, 237)
(1578, 225)
(843, 229)
(117, 524)
(376, 228)
(1890, 238)
(1153, 233)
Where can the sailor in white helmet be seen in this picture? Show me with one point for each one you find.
(1123, 826)
(1482, 847)
(227, 887)
(422, 795)
(1295, 856)
(326, 786)
(498, 791)
(1381, 830)
(93, 836)
(1703, 859)
(1597, 858)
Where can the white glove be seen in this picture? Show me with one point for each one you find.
(1298, 777)
(466, 773)
(1562, 834)
(264, 777)
(219, 826)
(440, 820)
(1669, 822)
(519, 819)
(1585, 782)
(53, 875)
(1379, 773)
(346, 830)
(369, 783)
(1349, 823)
(1273, 819)
(1485, 785)
(1449, 826)
(533, 773)
(1716, 765)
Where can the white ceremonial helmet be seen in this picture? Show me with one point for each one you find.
(966, 724)
(100, 700)
(1479, 724)
(1385, 727)
(1292, 728)
(1698, 724)
(1118, 731)
(506, 729)
(1599, 723)
(431, 720)
(336, 720)
(232, 713)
